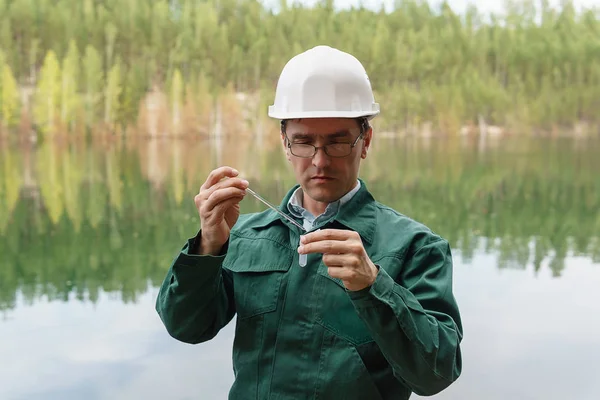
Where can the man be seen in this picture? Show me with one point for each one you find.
(372, 313)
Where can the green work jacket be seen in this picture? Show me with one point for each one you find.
(299, 333)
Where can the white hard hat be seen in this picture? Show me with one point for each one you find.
(323, 82)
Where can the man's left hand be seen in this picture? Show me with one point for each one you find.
(343, 254)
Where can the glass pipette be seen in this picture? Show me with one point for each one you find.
(303, 257)
(253, 193)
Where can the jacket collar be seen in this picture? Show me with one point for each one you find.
(358, 214)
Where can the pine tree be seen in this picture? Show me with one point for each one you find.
(9, 97)
(112, 93)
(70, 101)
(176, 100)
(6, 41)
(93, 83)
(47, 96)
(204, 103)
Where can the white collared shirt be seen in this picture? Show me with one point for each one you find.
(296, 208)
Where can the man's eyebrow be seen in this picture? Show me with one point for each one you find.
(343, 133)
(339, 134)
(301, 136)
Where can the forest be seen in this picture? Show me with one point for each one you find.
(72, 67)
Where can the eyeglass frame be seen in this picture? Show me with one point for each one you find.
(364, 126)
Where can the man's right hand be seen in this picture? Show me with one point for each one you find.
(218, 204)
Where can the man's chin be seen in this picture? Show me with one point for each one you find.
(322, 193)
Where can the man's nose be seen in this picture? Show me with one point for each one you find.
(320, 159)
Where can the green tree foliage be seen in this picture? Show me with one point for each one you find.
(112, 93)
(47, 96)
(176, 97)
(535, 66)
(70, 86)
(93, 84)
(9, 95)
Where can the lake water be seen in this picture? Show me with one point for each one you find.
(88, 232)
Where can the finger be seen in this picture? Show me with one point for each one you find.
(217, 174)
(221, 208)
(201, 198)
(221, 195)
(326, 246)
(226, 183)
(328, 234)
(216, 215)
(339, 260)
(343, 273)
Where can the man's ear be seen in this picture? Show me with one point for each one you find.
(285, 148)
(366, 143)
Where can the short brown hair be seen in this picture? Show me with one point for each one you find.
(363, 124)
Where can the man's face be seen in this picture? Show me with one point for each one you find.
(324, 178)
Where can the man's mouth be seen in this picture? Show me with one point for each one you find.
(321, 178)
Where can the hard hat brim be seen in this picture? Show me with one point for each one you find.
(274, 113)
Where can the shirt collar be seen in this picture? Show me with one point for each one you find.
(296, 208)
(358, 214)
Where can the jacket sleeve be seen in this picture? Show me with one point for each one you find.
(416, 324)
(195, 299)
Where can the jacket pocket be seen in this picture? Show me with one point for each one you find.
(342, 374)
(334, 309)
(258, 267)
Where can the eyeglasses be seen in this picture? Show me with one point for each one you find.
(337, 150)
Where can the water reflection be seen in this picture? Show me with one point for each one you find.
(87, 232)
(528, 336)
(79, 219)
